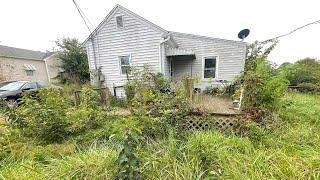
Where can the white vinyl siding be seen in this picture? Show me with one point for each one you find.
(230, 56)
(135, 38)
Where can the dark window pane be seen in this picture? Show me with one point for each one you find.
(210, 63)
(209, 73)
(125, 69)
(119, 21)
(125, 60)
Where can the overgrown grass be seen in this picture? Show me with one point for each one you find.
(288, 149)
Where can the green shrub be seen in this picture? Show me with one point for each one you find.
(304, 71)
(45, 115)
(129, 131)
(157, 106)
(263, 89)
(309, 87)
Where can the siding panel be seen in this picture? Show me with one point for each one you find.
(136, 39)
(231, 55)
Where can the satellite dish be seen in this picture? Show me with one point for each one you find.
(243, 34)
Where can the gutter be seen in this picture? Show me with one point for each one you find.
(46, 65)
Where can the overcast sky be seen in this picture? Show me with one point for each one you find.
(36, 24)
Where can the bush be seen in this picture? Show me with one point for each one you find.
(156, 105)
(263, 89)
(304, 71)
(309, 87)
(45, 115)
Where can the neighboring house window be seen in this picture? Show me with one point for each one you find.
(119, 20)
(29, 73)
(29, 68)
(210, 67)
(125, 62)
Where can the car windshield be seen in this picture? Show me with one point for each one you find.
(13, 86)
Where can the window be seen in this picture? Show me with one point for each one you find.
(125, 62)
(29, 73)
(119, 20)
(210, 67)
(29, 68)
(30, 85)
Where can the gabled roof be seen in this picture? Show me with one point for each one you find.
(165, 32)
(119, 7)
(13, 52)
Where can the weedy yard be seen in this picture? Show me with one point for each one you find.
(59, 136)
(288, 149)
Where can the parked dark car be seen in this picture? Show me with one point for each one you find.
(13, 90)
(4, 83)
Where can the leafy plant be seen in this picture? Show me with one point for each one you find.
(263, 87)
(129, 131)
(45, 115)
(74, 61)
(156, 104)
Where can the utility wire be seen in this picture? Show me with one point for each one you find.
(287, 34)
(91, 35)
(82, 15)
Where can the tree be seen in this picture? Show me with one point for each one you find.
(305, 71)
(74, 61)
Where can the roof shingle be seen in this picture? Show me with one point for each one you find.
(22, 53)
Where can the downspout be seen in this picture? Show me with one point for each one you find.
(46, 65)
(160, 52)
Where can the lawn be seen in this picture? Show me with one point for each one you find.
(288, 149)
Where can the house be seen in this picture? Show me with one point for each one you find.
(23, 64)
(124, 39)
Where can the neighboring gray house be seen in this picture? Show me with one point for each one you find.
(125, 39)
(18, 64)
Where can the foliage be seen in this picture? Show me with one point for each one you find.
(263, 87)
(214, 90)
(157, 105)
(304, 73)
(129, 130)
(256, 50)
(50, 117)
(289, 149)
(44, 115)
(74, 61)
(309, 87)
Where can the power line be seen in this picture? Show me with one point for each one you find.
(287, 34)
(82, 15)
(91, 35)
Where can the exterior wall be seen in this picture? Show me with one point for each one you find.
(230, 55)
(13, 69)
(53, 64)
(136, 39)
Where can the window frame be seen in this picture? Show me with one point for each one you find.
(28, 83)
(29, 72)
(122, 18)
(216, 68)
(120, 65)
